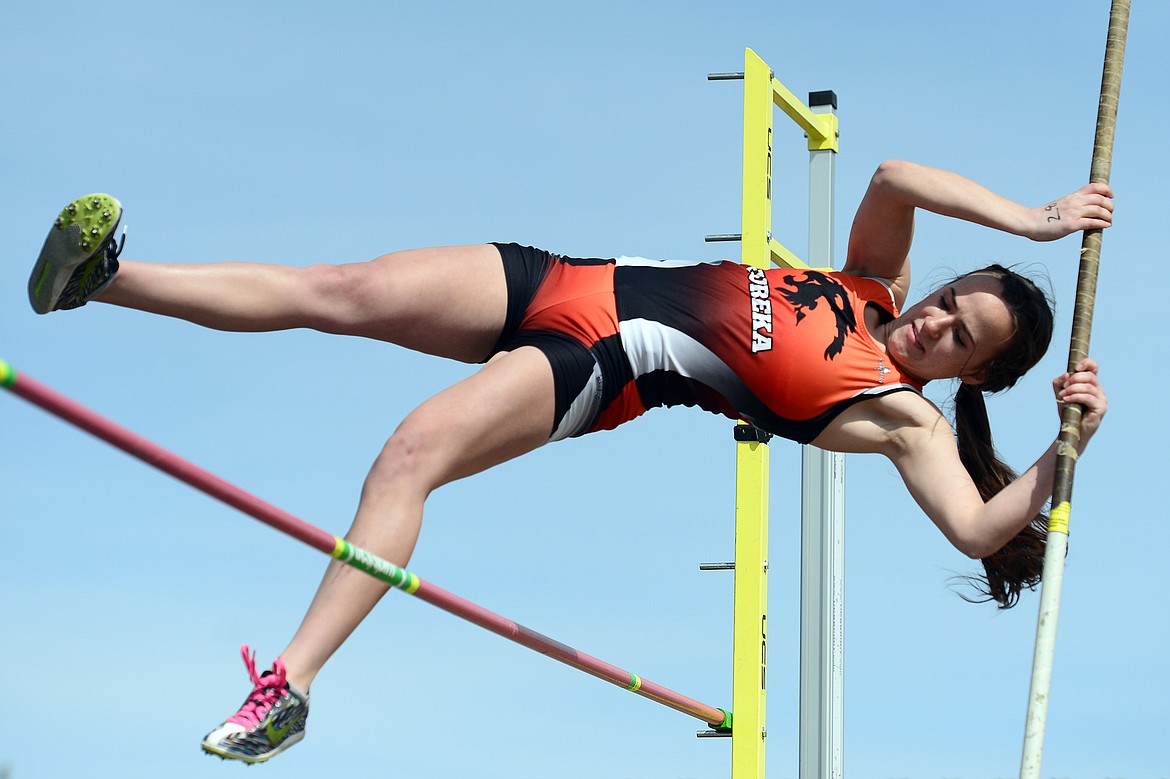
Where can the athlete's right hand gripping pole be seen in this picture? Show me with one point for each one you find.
(1070, 420)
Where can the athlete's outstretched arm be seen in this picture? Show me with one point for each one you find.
(928, 460)
(883, 228)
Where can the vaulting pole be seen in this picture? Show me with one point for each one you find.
(340, 549)
(1070, 419)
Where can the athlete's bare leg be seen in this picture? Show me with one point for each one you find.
(446, 301)
(501, 412)
(449, 302)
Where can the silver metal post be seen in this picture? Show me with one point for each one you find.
(822, 558)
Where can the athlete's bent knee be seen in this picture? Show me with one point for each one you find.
(407, 465)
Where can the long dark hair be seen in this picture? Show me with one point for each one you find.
(1019, 563)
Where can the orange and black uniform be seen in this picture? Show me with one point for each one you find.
(786, 350)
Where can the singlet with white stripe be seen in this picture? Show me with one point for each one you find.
(785, 349)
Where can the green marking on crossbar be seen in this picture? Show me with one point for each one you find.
(380, 569)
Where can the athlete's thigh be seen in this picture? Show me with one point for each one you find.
(449, 301)
(504, 410)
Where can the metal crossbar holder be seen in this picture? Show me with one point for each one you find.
(722, 237)
(725, 76)
(716, 566)
(748, 432)
(713, 734)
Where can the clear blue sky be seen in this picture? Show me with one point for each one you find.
(299, 132)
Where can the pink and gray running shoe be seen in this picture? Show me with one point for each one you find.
(271, 720)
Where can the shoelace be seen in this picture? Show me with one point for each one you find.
(113, 248)
(267, 689)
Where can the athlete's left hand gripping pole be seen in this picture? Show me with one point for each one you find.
(340, 549)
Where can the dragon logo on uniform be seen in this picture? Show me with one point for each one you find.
(813, 289)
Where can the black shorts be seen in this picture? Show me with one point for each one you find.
(576, 374)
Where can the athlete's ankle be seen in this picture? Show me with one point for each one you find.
(300, 676)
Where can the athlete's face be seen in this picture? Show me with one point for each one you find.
(954, 332)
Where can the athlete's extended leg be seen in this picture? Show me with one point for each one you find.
(504, 410)
(448, 301)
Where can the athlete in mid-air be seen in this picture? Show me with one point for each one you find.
(572, 346)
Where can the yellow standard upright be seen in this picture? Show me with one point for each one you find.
(750, 642)
(759, 248)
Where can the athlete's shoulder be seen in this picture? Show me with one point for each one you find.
(883, 423)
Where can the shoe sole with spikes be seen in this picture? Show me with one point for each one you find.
(80, 233)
